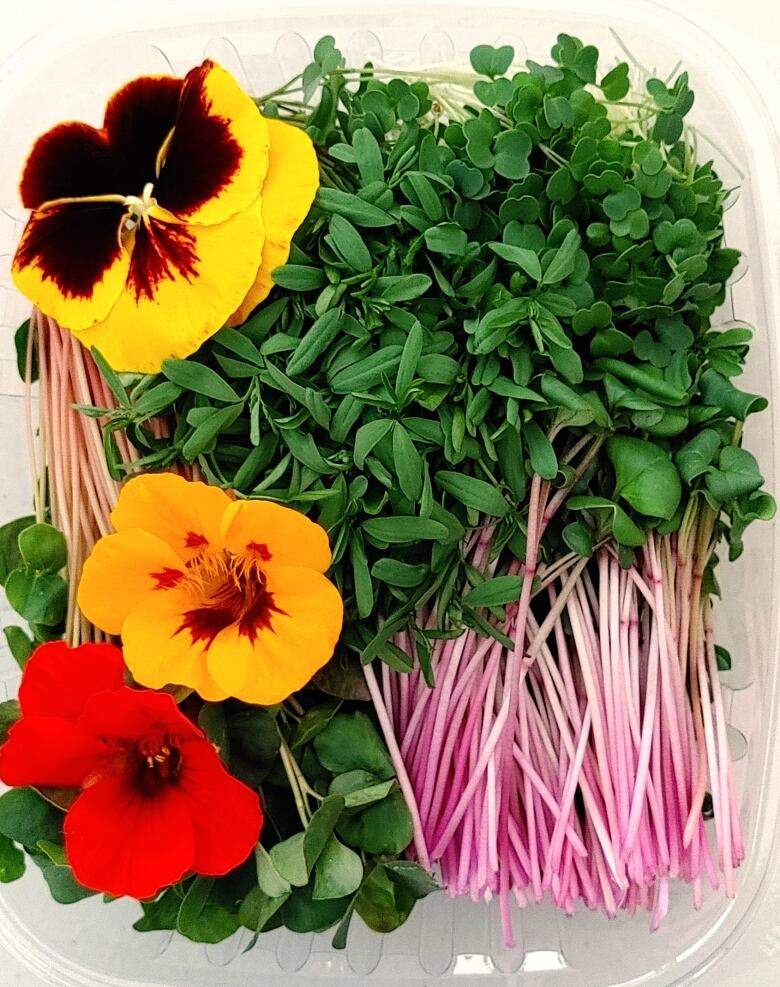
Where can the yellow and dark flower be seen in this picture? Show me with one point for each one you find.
(149, 234)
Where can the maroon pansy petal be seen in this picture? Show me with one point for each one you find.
(218, 154)
(72, 159)
(71, 263)
(139, 118)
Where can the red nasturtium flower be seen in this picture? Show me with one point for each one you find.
(225, 596)
(155, 801)
(149, 234)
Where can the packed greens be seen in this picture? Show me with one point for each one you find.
(492, 369)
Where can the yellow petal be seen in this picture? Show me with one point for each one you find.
(183, 283)
(288, 192)
(70, 262)
(269, 532)
(217, 157)
(296, 639)
(185, 514)
(159, 652)
(122, 570)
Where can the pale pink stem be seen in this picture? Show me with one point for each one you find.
(400, 769)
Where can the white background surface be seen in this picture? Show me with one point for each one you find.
(750, 29)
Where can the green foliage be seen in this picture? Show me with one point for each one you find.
(467, 300)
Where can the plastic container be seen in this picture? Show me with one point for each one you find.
(68, 73)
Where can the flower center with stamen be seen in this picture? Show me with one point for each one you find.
(233, 593)
(139, 207)
(153, 762)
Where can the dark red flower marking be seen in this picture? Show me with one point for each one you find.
(168, 578)
(156, 803)
(74, 159)
(202, 156)
(249, 609)
(194, 540)
(138, 120)
(74, 245)
(154, 762)
(162, 250)
(260, 550)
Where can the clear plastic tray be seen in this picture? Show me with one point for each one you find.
(67, 73)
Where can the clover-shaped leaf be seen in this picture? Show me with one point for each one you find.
(524, 209)
(646, 348)
(511, 154)
(653, 186)
(585, 153)
(498, 92)
(615, 83)
(469, 181)
(668, 128)
(619, 204)
(561, 186)
(635, 225)
(668, 236)
(609, 180)
(648, 157)
(558, 112)
(479, 138)
(598, 316)
(490, 61)
(662, 98)
(673, 332)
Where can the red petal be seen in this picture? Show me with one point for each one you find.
(203, 155)
(161, 251)
(124, 843)
(73, 246)
(135, 714)
(47, 750)
(68, 160)
(226, 814)
(60, 681)
(137, 121)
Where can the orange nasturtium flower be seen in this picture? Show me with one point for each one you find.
(148, 235)
(225, 596)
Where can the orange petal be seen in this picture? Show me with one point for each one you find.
(288, 192)
(269, 532)
(183, 283)
(122, 570)
(186, 514)
(70, 262)
(279, 659)
(217, 157)
(159, 652)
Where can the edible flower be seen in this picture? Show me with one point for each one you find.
(224, 596)
(149, 781)
(146, 236)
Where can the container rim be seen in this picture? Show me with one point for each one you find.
(99, 19)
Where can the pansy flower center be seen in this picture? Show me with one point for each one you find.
(139, 207)
(233, 592)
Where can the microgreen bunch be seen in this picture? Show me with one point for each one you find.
(472, 297)
(492, 369)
